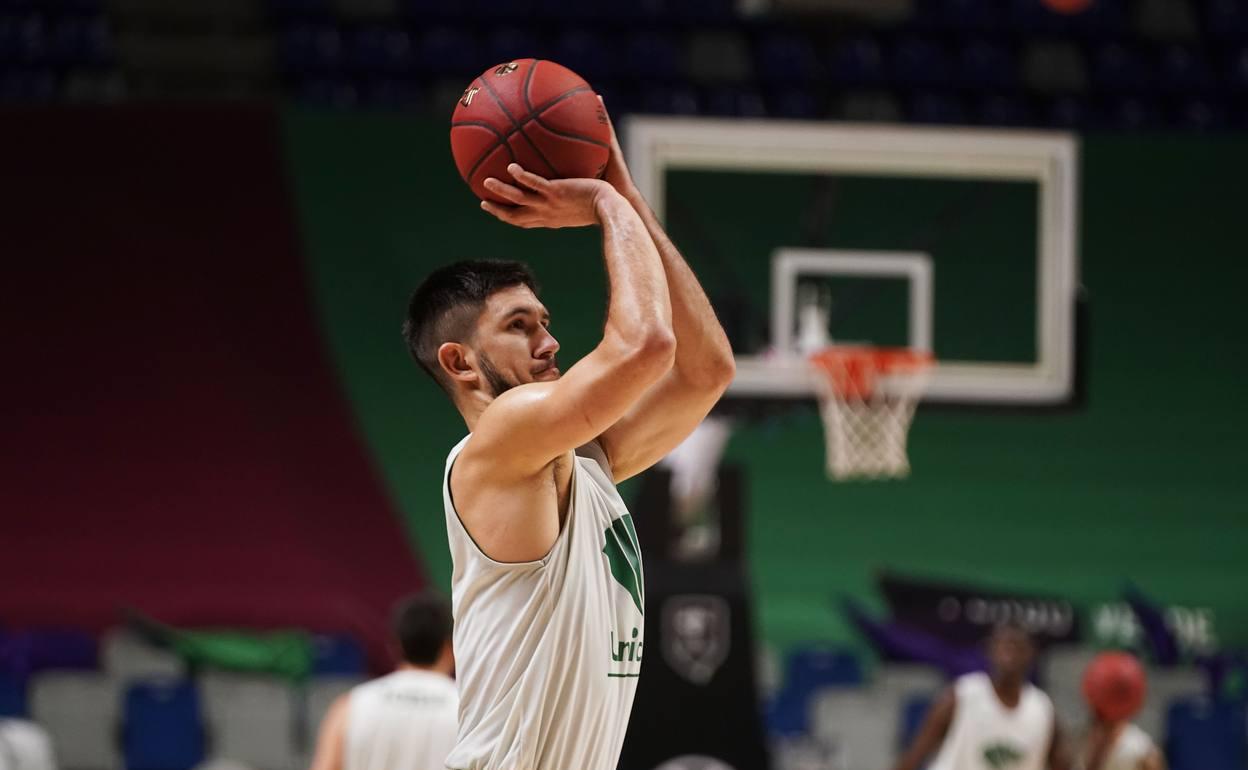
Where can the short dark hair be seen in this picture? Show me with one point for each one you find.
(446, 305)
(422, 625)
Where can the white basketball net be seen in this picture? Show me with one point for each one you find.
(867, 398)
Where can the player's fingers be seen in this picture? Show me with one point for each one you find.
(527, 178)
(510, 192)
(508, 214)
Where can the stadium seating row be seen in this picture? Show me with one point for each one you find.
(125, 703)
(824, 711)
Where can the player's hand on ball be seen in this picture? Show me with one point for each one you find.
(539, 202)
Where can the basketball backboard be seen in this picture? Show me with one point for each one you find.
(759, 207)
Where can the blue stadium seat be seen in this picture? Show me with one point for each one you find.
(858, 61)
(585, 52)
(373, 48)
(333, 92)
(392, 94)
(809, 668)
(921, 62)
(12, 696)
(1204, 735)
(1202, 114)
(912, 713)
(938, 107)
(309, 47)
(987, 65)
(653, 55)
(23, 39)
(1134, 113)
(1226, 19)
(787, 58)
(663, 99)
(507, 43)
(1071, 113)
(1185, 70)
(162, 727)
(80, 41)
(449, 51)
(1004, 110)
(734, 101)
(788, 714)
(794, 103)
(1117, 68)
(1237, 73)
(337, 654)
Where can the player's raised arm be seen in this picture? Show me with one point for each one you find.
(528, 426)
(703, 367)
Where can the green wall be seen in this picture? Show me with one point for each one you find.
(1145, 483)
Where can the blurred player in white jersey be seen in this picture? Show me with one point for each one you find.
(992, 721)
(406, 720)
(1114, 686)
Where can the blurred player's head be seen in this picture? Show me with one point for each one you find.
(478, 328)
(422, 630)
(1011, 652)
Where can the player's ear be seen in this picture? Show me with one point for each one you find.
(453, 358)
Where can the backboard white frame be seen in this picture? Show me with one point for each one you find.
(656, 145)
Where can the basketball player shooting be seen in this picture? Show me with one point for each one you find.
(992, 721)
(547, 582)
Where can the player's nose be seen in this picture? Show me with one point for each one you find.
(547, 345)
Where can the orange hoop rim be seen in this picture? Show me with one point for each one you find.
(852, 370)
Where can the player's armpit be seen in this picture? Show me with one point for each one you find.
(932, 732)
(527, 427)
(331, 740)
(665, 416)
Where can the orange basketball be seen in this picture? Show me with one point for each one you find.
(1067, 6)
(536, 113)
(1114, 685)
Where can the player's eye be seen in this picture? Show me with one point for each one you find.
(517, 324)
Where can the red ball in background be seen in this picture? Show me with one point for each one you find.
(537, 113)
(1114, 685)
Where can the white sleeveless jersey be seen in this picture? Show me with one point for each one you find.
(985, 735)
(403, 721)
(1130, 748)
(548, 652)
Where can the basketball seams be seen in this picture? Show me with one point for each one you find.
(534, 116)
(518, 128)
(524, 91)
(537, 118)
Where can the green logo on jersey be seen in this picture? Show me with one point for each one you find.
(1001, 755)
(624, 558)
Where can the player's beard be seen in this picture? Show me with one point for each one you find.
(495, 380)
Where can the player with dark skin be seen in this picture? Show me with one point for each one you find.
(1100, 741)
(1011, 654)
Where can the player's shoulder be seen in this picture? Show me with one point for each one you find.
(973, 683)
(496, 426)
(1134, 737)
